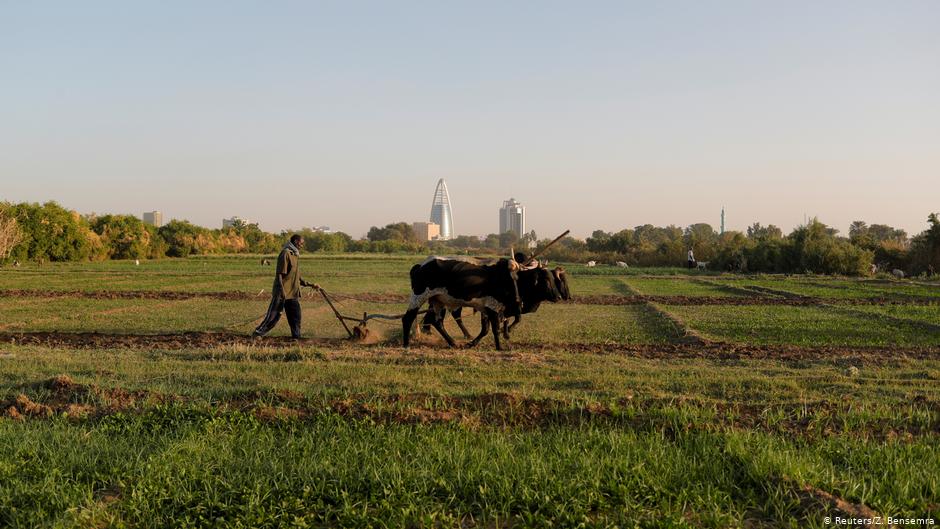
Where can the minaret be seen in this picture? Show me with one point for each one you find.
(440, 211)
(722, 219)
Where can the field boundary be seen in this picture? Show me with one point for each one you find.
(705, 350)
(61, 395)
(753, 297)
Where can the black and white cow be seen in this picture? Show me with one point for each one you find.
(492, 286)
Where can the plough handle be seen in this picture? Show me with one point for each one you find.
(336, 312)
(547, 246)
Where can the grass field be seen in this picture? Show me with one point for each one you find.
(132, 397)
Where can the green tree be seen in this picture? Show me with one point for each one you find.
(184, 238)
(10, 233)
(52, 232)
(599, 241)
(758, 232)
(815, 248)
(399, 231)
(703, 240)
(256, 240)
(508, 239)
(124, 236)
(925, 247)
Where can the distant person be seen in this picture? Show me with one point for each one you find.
(285, 294)
(692, 263)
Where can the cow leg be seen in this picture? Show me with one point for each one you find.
(439, 325)
(427, 321)
(516, 319)
(484, 328)
(463, 328)
(406, 322)
(494, 322)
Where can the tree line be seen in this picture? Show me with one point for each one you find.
(31, 231)
(811, 248)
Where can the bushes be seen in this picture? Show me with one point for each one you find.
(52, 232)
(814, 248)
(811, 248)
(925, 248)
(184, 238)
(10, 232)
(124, 236)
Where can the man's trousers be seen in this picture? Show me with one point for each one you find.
(278, 304)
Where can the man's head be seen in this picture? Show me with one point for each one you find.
(297, 240)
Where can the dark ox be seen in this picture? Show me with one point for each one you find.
(463, 281)
(535, 286)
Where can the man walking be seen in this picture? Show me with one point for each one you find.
(285, 294)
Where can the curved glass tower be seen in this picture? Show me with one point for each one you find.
(440, 211)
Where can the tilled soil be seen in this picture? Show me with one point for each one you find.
(704, 350)
(761, 296)
(177, 295)
(62, 396)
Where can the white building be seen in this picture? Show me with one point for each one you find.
(441, 213)
(512, 217)
(229, 223)
(154, 218)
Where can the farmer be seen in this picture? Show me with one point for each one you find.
(691, 259)
(285, 294)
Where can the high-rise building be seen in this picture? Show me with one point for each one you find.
(426, 231)
(440, 211)
(230, 223)
(512, 217)
(154, 218)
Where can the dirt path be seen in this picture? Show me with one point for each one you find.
(708, 350)
(61, 395)
(180, 296)
(758, 296)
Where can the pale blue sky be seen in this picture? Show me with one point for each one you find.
(592, 114)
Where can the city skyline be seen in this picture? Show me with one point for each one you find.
(600, 117)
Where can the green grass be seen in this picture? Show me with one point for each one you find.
(593, 324)
(927, 314)
(566, 432)
(678, 287)
(800, 326)
(178, 467)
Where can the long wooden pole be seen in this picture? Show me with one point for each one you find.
(336, 312)
(547, 246)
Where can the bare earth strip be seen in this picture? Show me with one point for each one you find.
(707, 350)
(779, 298)
(60, 395)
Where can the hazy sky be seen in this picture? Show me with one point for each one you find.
(595, 115)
